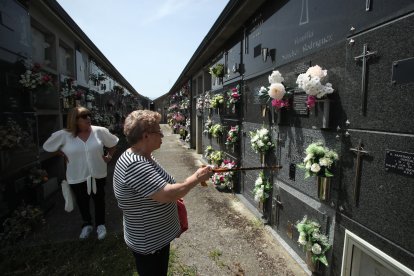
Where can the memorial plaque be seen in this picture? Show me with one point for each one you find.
(402, 71)
(299, 103)
(399, 162)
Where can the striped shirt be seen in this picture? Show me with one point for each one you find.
(148, 224)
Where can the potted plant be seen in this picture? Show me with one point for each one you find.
(314, 243)
(217, 70)
(318, 162)
(260, 142)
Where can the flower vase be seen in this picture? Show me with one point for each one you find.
(262, 159)
(324, 187)
(313, 267)
(325, 114)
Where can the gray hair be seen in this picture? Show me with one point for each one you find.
(138, 122)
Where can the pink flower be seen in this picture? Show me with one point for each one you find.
(280, 103)
(310, 102)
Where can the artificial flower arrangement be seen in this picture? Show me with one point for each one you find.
(207, 152)
(185, 103)
(260, 140)
(216, 157)
(207, 100)
(14, 136)
(207, 126)
(37, 176)
(200, 103)
(233, 96)
(262, 188)
(173, 108)
(312, 240)
(224, 179)
(313, 82)
(178, 117)
(90, 97)
(217, 70)
(33, 77)
(277, 91)
(216, 130)
(217, 101)
(232, 136)
(318, 160)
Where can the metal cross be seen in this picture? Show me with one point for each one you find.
(276, 206)
(364, 57)
(359, 152)
(367, 5)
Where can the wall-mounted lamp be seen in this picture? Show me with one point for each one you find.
(266, 52)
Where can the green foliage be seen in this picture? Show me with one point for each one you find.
(216, 130)
(217, 70)
(312, 240)
(21, 223)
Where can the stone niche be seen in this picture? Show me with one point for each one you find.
(233, 61)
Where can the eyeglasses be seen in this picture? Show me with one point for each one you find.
(84, 116)
(158, 132)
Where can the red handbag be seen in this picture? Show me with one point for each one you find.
(182, 215)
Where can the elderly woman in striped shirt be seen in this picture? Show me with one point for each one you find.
(147, 194)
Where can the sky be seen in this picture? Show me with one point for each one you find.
(148, 41)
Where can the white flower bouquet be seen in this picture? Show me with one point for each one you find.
(216, 130)
(312, 240)
(262, 188)
(313, 82)
(277, 91)
(318, 160)
(217, 101)
(260, 140)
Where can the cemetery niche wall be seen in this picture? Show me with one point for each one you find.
(45, 70)
(331, 84)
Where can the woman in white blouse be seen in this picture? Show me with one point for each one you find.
(82, 146)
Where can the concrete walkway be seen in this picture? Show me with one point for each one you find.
(224, 237)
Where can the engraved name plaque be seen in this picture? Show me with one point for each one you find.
(299, 103)
(399, 162)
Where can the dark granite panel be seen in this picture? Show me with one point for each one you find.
(388, 107)
(253, 108)
(294, 207)
(291, 30)
(385, 201)
(291, 150)
(233, 62)
(15, 28)
(345, 223)
(379, 12)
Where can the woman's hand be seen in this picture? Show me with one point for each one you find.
(61, 153)
(107, 158)
(204, 173)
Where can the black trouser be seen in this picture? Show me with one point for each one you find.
(82, 200)
(155, 264)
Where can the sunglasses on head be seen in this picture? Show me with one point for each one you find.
(84, 116)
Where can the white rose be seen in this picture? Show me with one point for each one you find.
(260, 144)
(316, 249)
(258, 182)
(276, 77)
(324, 162)
(276, 91)
(315, 167)
(262, 132)
(316, 71)
(302, 239)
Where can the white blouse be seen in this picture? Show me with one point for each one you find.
(85, 159)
